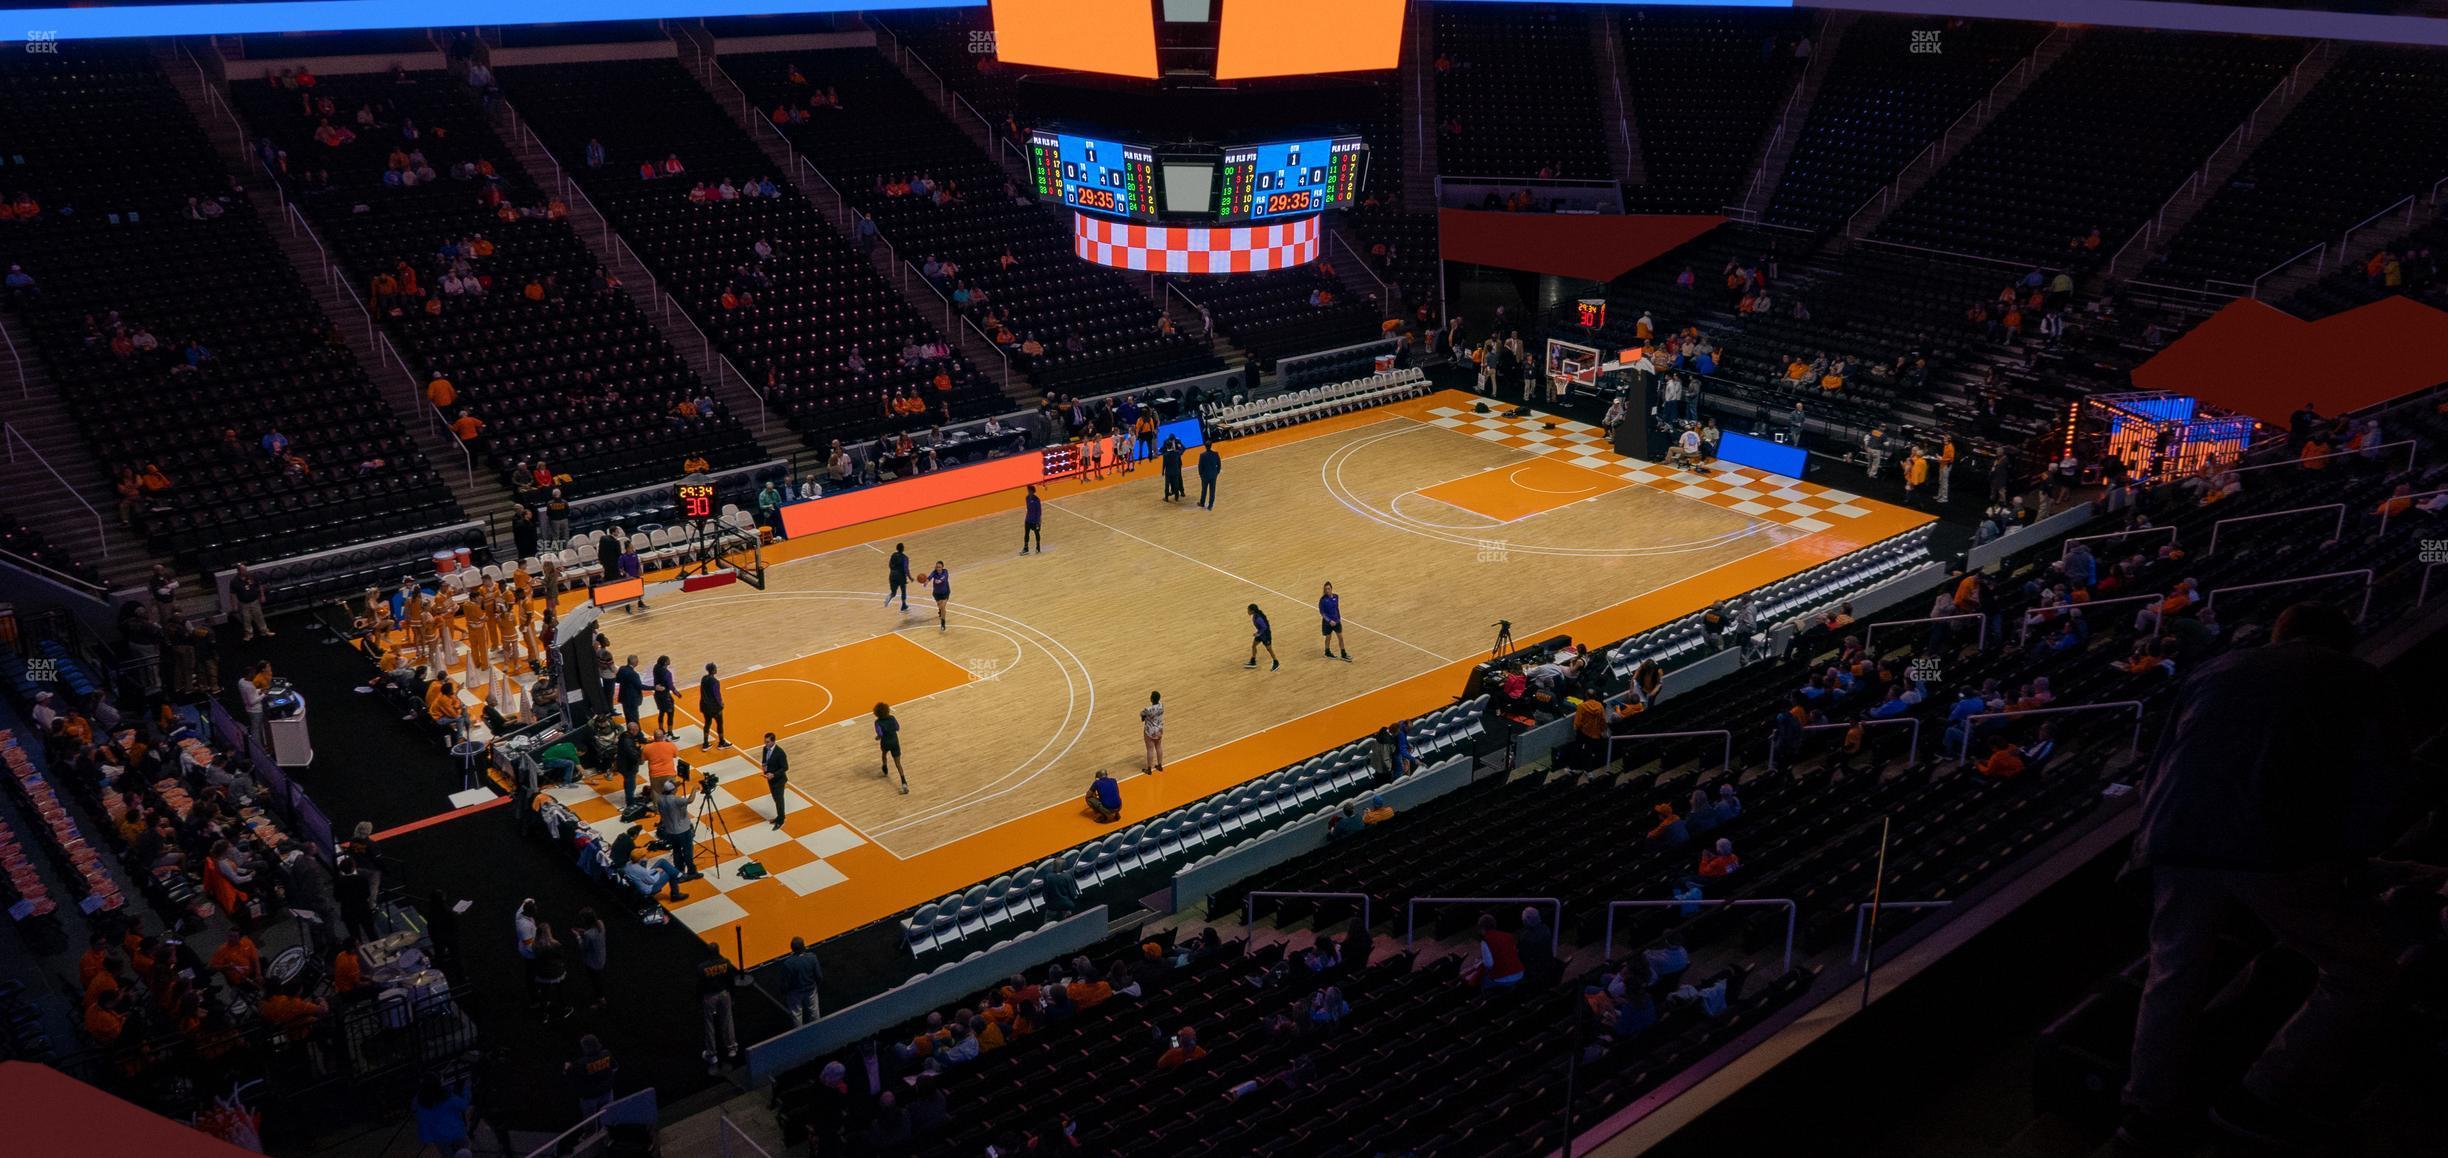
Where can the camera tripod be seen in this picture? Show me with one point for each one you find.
(1504, 640)
(717, 829)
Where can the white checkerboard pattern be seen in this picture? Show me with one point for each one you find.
(1774, 498)
(1182, 249)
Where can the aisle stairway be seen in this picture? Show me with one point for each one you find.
(732, 390)
(479, 493)
(2052, 49)
(697, 54)
(75, 510)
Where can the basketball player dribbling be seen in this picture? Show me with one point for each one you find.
(940, 579)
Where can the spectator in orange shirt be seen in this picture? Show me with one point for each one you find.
(467, 426)
(2004, 761)
(1720, 861)
(1184, 1051)
(238, 961)
(441, 393)
(102, 1021)
(293, 1015)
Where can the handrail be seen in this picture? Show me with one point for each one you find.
(2412, 450)
(2386, 515)
(940, 87)
(1249, 905)
(983, 123)
(1910, 757)
(2211, 600)
(1555, 931)
(1863, 910)
(1886, 193)
(91, 590)
(1606, 948)
(1724, 764)
(2067, 546)
(25, 389)
(1959, 254)
(2340, 529)
(2435, 190)
(2045, 614)
(701, 335)
(1385, 289)
(1870, 632)
(14, 438)
(1535, 182)
(1759, 172)
(908, 269)
(2346, 240)
(2319, 252)
(2423, 594)
(2133, 747)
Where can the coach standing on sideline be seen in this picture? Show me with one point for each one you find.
(1210, 465)
(710, 705)
(777, 773)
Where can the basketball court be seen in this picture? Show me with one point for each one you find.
(1432, 521)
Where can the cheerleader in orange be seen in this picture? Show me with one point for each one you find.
(480, 639)
(419, 620)
(445, 611)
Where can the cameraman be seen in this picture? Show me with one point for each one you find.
(675, 826)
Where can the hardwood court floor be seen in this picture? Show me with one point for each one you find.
(1431, 522)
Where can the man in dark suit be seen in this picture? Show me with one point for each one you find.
(1173, 488)
(629, 689)
(1210, 465)
(777, 774)
(710, 705)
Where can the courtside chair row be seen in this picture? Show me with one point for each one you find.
(1828, 583)
(1290, 794)
(1239, 418)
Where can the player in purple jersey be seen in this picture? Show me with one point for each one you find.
(1262, 634)
(1330, 623)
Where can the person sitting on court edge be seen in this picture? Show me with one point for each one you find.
(1105, 797)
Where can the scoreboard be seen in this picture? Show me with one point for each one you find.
(1093, 174)
(1256, 182)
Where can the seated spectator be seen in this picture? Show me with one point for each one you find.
(1185, 1050)
(238, 961)
(1720, 861)
(2003, 762)
(1670, 828)
(1499, 963)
